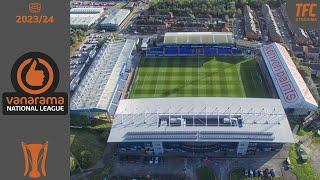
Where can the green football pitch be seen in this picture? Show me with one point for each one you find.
(196, 77)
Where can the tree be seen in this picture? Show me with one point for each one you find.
(210, 26)
(73, 40)
(73, 164)
(305, 71)
(101, 42)
(79, 121)
(239, 12)
(86, 158)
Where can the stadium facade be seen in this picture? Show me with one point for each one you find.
(100, 90)
(285, 78)
(196, 44)
(202, 125)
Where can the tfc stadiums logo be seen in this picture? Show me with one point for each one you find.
(35, 76)
(288, 92)
(32, 157)
(304, 13)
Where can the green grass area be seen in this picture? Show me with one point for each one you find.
(315, 139)
(303, 171)
(302, 132)
(199, 77)
(205, 174)
(86, 140)
(121, 5)
(100, 174)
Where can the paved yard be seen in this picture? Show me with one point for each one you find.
(186, 167)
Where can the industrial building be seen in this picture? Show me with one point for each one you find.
(252, 33)
(204, 125)
(272, 27)
(100, 90)
(293, 92)
(84, 17)
(113, 21)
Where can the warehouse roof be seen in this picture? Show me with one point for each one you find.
(97, 88)
(155, 119)
(77, 20)
(289, 83)
(198, 38)
(116, 17)
(86, 10)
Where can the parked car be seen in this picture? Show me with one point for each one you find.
(251, 173)
(151, 160)
(156, 161)
(266, 172)
(273, 174)
(246, 173)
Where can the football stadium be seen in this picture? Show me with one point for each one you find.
(199, 77)
(197, 94)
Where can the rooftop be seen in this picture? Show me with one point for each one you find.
(116, 17)
(83, 19)
(201, 119)
(198, 38)
(271, 23)
(289, 83)
(86, 10)
(250, 25)
(97, 88)
(314, 50)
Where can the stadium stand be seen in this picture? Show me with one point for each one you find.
(291, 88)
(198, 38)
(101, 87)
(239, 125)
(196, 44)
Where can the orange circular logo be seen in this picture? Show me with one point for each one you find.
(35, 73)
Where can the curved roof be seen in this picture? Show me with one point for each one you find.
(289, 83)
(149, 119)
(198, 38)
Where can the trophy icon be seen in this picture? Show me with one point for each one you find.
(35, 155)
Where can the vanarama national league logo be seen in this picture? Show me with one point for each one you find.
(35, 76)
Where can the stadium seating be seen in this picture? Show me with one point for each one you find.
(210, 51)
(171, 50)
(223, 51)
(186, 50)
(199, 50)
